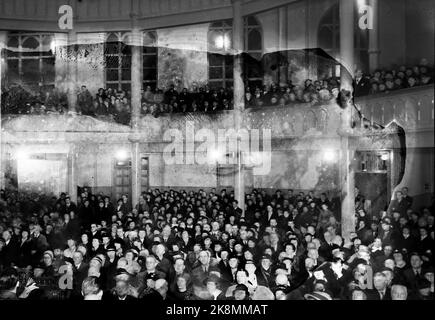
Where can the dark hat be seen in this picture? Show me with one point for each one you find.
(285, 289)
(287, 258)
(119, 241)
(233, 256)
(266, 256)
(98, 259)
(110, 247)
(249, 262)
(122, 271)
(151, 276)
(317, 295)
(423, 283)
(428, 270)
(386, 269)
(98, 237)
(335, 247)
(212, 278)
(398, 251)
(241, 287)
(281, 266)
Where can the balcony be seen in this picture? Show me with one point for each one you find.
(298, 120)
(412, 109)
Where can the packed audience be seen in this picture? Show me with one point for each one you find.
(185, 245)
(115, 104)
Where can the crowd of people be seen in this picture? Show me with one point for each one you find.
(185, 245)
(116, 104)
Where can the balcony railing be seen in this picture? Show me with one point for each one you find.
(413, 109)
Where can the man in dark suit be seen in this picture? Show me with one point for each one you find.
(167, 238)
(408, 198)
(264, 273)
(10, 251)
(424, 243)
(270, 214)
(361, 84)
(406, 240)
(413, 274)
(150, 271)
(80, 271)
(380, 291)
(399, 204)
(235, 210)
(69, 206)
(202, 271)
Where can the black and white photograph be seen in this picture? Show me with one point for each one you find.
(221, 153)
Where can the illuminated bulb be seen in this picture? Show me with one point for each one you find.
(329, 155)
(385, 156)
(214, 155)
(121, 155)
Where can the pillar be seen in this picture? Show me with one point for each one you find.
(136, 88)
(135, 172)
(136, 76)
(282, 31)
(72, 174)
(239, 98)
(374, 37)
(72, 87)
(347, 182)
(3, 43)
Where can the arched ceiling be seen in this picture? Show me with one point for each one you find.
(109, 15)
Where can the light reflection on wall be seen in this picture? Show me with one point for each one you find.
(42, 176)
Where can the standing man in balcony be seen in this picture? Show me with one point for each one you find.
(361, 84)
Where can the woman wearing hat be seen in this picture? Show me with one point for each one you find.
(241, 292)
(48, 267)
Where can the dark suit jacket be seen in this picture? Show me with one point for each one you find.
(199, 275)
(373, 294)
(361, 88)
(79, 275)
(401, 207)
(263, 279)
(10, 253)
(411, 279)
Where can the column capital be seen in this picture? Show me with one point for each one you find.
(136, 37)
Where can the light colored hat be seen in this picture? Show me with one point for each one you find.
(317, 295)
(50, 253)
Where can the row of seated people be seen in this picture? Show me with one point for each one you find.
(197, 245)
(116, 104)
